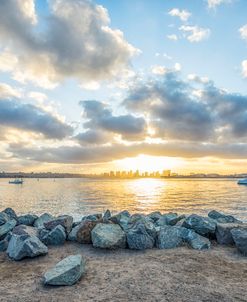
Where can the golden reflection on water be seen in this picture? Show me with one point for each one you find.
(79, 197)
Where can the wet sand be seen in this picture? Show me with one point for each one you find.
(174, 275)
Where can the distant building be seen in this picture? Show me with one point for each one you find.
(166, 173)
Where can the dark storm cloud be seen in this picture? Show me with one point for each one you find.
(100, 117)
(28, 117)
(75, 40)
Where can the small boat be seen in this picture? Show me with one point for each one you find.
(242, 181)
(16, 181)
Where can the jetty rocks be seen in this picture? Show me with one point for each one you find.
(30, 235)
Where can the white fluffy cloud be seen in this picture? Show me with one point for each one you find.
(195, 33)
(243, 32)
(244, 68)
(172, 37)
(183, 15)
(75, 41)
(215, 3)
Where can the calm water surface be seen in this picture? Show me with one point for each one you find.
(86, 196)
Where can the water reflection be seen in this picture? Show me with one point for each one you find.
(84, 196)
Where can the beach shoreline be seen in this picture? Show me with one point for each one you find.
(180, 274)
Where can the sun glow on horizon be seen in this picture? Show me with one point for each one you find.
(148, 163)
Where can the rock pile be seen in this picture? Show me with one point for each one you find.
(29, 235)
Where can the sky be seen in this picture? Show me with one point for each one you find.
(91, 86)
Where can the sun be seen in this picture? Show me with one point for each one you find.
(148, 163)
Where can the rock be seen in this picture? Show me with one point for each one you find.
(3, 218)
(65, 220)
(27, 219)
(138, 237)
(94, 217)
(138, 217)
(202, 225)
(39, 222)
(21, 247)
(73, 233)
(25, 231)
(108, 236)
(169, 219)
(4, 243)
(83, 234)
(121, 219)
(197, 241)
(56, 236)
(106, 216)
(239, 236)
(223, 233)
(155, 216)
(7, 227)
(170, 237)
(11, 213)
(66, 272)
(222, 218)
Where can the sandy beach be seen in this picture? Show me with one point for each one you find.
(181, 274)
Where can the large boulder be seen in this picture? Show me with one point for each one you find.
(122, 219)
(66, 272)
(5, 242)
(196, 241)
(169, 219)
(139, 237)
(223, 233)
(6, 228)
(73, 233)
(27, 219)
(3, 218)
(155, 216)
(94, 217)
(222, 218)
(65, 220)
(24, 230)
(239, 236)
(83, 234)
(56, 236)
(21, 247)
(202, 225)
(11, 213)
(39, 222)
(170, 237)
(106, 216)
(108, 236)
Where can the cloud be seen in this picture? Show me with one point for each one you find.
(195, 33)
(7, 91)
(30, 118)
(198, 79)
(183, 15)
(243, 32)
(100, 117)
(214, 3)
(244, 68)
(95, 137)
(74, 41)
(172, 37)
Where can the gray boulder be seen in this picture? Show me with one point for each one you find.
(139, 238)
(21, 247)
(223, 233)
(66, 272)
(3, 218)
(5, 242)
(94, 217)
(108, 236)
(65, 220)
(106, 216)
(27, 219)
(155, 216)
(202, 225)
(11, 213)
(73, 233)
(24, 230)
(197, 241)
(56, 236)
(6, 228)
(222, 218)
(170, 237)
(122, 219)
(239, 236)
(169, 219)
(39, 222)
